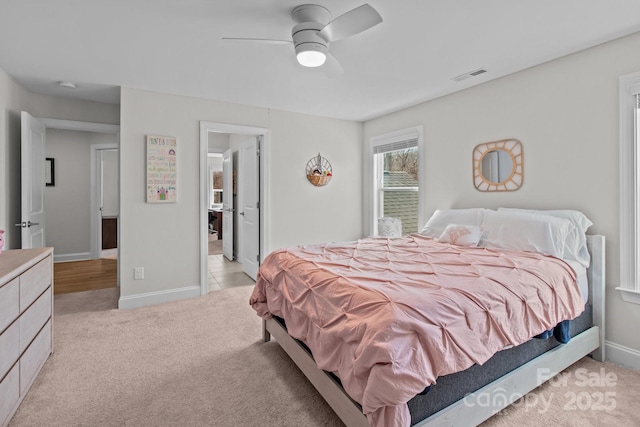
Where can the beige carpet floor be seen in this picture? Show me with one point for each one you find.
(200, 362)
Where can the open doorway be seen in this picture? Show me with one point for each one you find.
(232, 210)
(108, 195)
(216, 194)
(68, 199)
(84, 199)
(226, 220)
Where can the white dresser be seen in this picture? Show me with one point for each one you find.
(26, 308)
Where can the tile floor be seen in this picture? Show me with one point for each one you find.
(225, 274)
(109, 253)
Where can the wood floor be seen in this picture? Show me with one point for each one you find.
(78, 276)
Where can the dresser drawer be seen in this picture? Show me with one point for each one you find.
(10, 392)
(32, 320)
(9, 303)
(34, 357)
(34, 281)
(9, 348)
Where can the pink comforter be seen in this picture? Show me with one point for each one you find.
(389, 316)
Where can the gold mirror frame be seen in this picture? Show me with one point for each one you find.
(513, 148)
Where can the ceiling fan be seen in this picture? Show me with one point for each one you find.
(315, 30)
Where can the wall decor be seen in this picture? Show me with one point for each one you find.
(319, 171)
(49, 172)
(161, 169)
(498, 165)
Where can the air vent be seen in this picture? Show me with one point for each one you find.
(470, 74)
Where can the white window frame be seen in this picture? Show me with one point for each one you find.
(390, 138)
(629, 189)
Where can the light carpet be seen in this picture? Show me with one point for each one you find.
(201, 362)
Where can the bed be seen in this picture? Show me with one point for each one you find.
(420, 280)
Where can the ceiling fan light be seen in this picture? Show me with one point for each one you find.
(311, 58)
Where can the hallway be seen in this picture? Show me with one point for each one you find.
(79, 276)
(224, 274)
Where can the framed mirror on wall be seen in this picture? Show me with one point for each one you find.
(50, 172)
(498, 165)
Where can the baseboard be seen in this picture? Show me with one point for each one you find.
(153, 298)
(82, 256)
(622, 355)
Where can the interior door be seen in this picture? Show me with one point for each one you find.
(33, 134)
(227, 205)
(249, 166)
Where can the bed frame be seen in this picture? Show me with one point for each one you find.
(470, 410)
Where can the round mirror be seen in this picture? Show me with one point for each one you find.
(497, 165)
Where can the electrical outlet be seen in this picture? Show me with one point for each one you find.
(138, 273)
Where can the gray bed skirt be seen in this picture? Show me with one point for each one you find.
(453, 387)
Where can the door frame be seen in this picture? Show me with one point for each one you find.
(206, 128)
(96, 191)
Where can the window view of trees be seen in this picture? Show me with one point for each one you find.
(403, 160)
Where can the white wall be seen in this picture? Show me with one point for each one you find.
(67, 203)
(13, 99)
(565, 112)
(307, 214)
(164, 238)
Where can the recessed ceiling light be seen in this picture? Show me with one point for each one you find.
(70, 85)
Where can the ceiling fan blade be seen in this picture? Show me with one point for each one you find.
(353, 22)
(269, 41)
(332, 67)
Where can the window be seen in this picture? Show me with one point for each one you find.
(396, 175)
(630, 187)
(217, 187)
(214, 162)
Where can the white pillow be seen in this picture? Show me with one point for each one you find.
(576, 244)
(461, 235)
(529, 232)
(443, 217)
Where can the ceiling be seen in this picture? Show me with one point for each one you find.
(175, 47)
